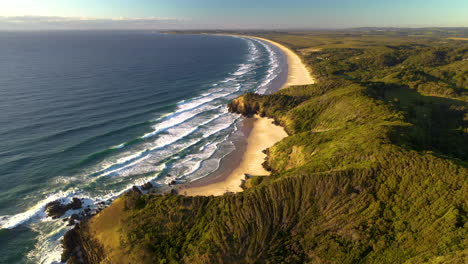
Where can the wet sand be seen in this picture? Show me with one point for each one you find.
(248, 157)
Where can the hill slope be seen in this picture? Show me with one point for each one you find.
(374, 169)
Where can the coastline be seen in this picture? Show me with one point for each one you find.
(298, 73)
(334, 194)
(260, 133)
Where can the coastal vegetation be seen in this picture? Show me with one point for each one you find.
(374, 169)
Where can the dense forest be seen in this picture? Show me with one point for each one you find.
(374, 169)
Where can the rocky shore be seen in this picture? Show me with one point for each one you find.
(79, 245)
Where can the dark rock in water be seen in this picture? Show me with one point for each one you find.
(75, 204)
(56, 209)
(72, 219)
(147, 186)
(173, 182)
(65, 219)
(136, 190)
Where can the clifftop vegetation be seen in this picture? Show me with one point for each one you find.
(374, 169)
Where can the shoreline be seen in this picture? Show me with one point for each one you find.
(298, 73)
(260, 133)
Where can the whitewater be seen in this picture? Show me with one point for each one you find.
(182, 145)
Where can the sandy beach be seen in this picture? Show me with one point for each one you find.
(298, 74)
(261, 134)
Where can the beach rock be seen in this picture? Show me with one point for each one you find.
(73, 217)
(75, 204)
(56, 208)
(136, 190)
(147, 186)
(173, 182)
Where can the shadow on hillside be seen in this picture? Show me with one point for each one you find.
(438, 123)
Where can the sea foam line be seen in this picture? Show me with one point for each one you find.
(161, 142)
(36, 212)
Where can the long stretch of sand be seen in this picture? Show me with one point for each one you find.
(262, 134)
(298, 74)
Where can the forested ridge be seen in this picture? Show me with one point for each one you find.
(374, 169)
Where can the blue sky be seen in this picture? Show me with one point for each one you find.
(233, 14)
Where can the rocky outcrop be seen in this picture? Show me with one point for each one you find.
(80, 248)
(73, 218)
(173, 182)
(56, 208)
(136, 190)
(245, 105)
(146, 186)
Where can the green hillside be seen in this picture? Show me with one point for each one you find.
(374, 170)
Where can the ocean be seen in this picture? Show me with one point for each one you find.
(90, 114)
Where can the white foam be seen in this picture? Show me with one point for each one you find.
(178, 119)
(173, 135)
(36, 211)
(194, 161)
(48, 249)
(189, 109)
(274, 67)
(119, 146)
(145, 159)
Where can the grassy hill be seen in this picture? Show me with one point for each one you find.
(374, 170)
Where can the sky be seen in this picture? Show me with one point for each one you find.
(232, 14)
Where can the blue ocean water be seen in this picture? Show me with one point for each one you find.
(90, 114)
